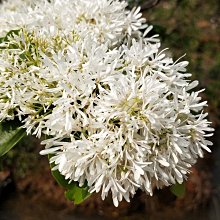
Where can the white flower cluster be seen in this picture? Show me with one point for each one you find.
(118, 113)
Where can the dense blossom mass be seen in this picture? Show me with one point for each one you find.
(118, 113)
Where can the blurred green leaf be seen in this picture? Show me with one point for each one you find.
(60, 179)
(11, 33)
(77, 194)
(73, 192)
(10, 134)
(178, 190)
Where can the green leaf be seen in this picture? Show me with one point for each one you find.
(77, 194)
(10, 134)
(58, 176)
(178, 190)
(73, 192)
(60, 179)
(11, 33)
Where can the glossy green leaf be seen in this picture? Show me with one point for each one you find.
(178, 190)
(73, 192)
(10, 134)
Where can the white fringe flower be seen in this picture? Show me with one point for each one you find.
(119, 112)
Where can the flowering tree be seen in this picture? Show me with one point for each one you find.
(116, 113)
